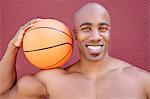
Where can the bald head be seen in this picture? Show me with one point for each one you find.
(91, 10)
(92, 6)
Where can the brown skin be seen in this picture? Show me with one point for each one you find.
(96, 76)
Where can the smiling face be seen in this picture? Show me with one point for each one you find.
(92, 31)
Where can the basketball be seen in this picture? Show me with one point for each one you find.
(48, 44)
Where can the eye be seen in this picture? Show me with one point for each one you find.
(103, 28)
(86, 29)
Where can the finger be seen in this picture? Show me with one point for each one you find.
(29, 22)
(23, 29)
(37, 20)
(28, 28)
(33, 21)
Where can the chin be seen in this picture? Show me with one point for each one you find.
(95, 58)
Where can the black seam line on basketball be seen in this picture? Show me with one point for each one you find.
(61, 59)
(53, 29)
(48, 47)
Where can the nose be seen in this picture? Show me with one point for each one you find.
(95, 36)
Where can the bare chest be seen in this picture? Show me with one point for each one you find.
(108, 87)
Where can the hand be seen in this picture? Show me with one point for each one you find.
(18, 38)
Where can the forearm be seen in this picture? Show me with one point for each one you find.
(7, 68)
(7, 63)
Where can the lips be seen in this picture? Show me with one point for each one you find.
(94, 49)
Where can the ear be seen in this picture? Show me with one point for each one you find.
(75, 34)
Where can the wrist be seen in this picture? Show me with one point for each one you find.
(12, 45)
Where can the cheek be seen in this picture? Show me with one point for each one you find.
(107, 37)
(82, 37)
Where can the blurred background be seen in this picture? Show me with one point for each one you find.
(129, 27)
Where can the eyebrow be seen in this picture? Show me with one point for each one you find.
(103, 24)
(86, 23)
(100, 24)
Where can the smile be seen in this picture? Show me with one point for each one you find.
(94, 47)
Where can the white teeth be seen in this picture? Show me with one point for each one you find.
(94, 47)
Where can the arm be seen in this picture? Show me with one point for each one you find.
(7, 63)
(28, 87)
(7, 69)
(148, 87)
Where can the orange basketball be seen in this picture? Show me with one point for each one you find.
(48, 44)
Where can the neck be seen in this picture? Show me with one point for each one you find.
(94, 69)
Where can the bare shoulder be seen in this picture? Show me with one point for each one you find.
(135, 71)
(132, 70)
(44, 75)
(54, 72)
(12, 94)
(29, 85)
(138, 73)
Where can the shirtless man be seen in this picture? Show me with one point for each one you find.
(96, 76)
